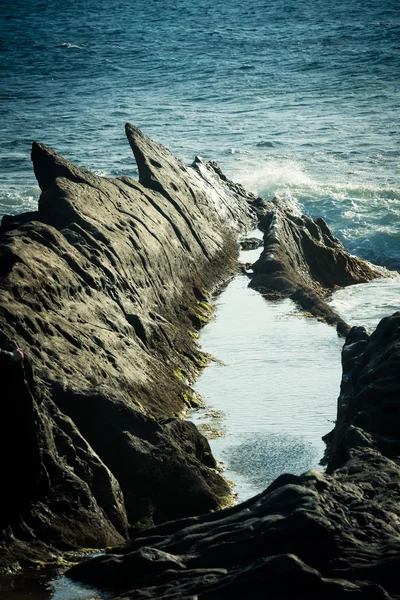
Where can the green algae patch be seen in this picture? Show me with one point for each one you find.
(192, 400)
(194, 361)
(200, 360)
(179, 374)
(193, 334)
(211, 428)
(61, 560)
(201, 314)
(226, 501)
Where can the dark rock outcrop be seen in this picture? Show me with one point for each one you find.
(101, 287)
(317, 535)
(250, 243)
(303, 260)
(368, 415)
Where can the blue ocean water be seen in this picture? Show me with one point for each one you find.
(294, 99)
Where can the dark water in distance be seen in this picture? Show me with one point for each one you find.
(298, 99)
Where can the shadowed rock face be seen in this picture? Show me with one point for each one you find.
(101, 287)
(311, 536)
(368, 406)
(302, 259)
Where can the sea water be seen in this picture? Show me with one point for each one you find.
(271, 394)
(295, 99)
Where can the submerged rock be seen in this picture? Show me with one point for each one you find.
(303, 260)
(100, 287)
(250, 243)
(316, 535)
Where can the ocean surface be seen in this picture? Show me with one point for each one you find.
(295, 99)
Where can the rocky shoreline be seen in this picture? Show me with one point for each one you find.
(316, 535)
(103, 287)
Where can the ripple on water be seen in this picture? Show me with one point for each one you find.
(367, 303)
(277, 386)
(263, 458)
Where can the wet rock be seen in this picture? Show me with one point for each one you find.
(315, 535)
(303, 260)
(99, 287)
(250, 243)
(111, 571)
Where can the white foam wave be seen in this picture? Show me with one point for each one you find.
(13, 203)
(274, 175)
(289, 178)
(364, 215)
(69, 45)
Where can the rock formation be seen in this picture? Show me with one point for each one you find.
(368, 413)
(250, 243)
(102, 287)
(317, 535)
(303, 260)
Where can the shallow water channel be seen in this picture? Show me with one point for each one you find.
(271, 394)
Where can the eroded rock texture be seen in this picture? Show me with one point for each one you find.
(328, 536)
(368, 406)
(303, 260)
(102, 287)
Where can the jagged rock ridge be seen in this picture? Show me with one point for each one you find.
(101, 286)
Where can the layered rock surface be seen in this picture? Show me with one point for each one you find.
(101, 287)
(328, 536)
(303, 260)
